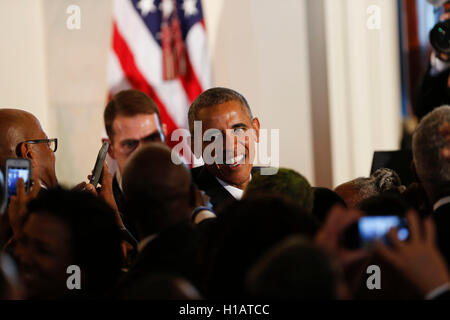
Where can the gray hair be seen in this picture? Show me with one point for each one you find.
(381, 181)
(432, 169)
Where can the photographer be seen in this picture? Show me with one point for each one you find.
(434, 89)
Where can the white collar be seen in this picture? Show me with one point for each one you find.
(235, 192)
(145, 241)
(441, 202)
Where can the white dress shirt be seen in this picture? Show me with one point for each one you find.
(234, 191)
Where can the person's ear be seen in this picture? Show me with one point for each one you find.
(25, 151)
(110, 148)
(256, 127)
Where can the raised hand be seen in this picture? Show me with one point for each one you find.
(417, 258)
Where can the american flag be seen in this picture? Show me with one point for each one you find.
(160, 48)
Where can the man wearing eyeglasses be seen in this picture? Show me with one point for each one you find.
(21, 136)
(131, 119)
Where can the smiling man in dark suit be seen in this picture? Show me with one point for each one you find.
(229, 133)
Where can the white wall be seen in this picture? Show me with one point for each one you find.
(76, 66)
(22, 59)
(364, 84)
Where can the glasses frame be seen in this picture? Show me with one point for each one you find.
(43, 141)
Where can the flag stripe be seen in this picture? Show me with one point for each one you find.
(116, 80)
(190, 82)
(148, 59)
(135, 77)
(197, 46)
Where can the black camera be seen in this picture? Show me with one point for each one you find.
(440, 34)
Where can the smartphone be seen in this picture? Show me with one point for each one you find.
(371, 229)
(98, 167)
(15, 169)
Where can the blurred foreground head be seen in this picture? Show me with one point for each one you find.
(68, 228)
(157, 286)
(381, 181)
(286, 183)
(246, 230)
(293, 269)
(158, 192)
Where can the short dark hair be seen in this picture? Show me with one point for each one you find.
(128, 103)
(293, 269)
(95, 236)
(324, 200)
(213, 97)
(245, 230)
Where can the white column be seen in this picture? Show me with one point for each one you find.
(23, 81)
(364, 84)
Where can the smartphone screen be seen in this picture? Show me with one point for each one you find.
(14, 173)
(375, 228)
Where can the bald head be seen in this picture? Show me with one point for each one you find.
(17, 126)
(157, 191)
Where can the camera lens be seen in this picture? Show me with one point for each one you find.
(440, 37)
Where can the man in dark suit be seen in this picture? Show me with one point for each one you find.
(225, 133)
(159, 200)
(432, 165)
(131, 119)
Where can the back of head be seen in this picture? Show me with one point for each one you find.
(156, 190)
(384, 205)
(213, 97)
(432, 169)
(128, 103)
(156, 286)
(293, 269)
(287, 183)
(324, 200)
(95, 236)
(247, 229)
(387, 181)
(381, 181)
(16, 126)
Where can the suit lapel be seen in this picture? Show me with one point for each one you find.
(208, 183)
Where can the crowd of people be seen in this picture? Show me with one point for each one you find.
(158, 229)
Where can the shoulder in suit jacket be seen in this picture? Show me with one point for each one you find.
(119, 198)
(442, 220)
(207, 182)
